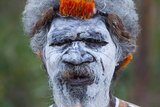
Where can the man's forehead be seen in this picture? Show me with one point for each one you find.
(63, 22)
(66, 27)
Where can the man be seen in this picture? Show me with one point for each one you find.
(83, 44)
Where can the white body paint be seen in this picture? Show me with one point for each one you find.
(96, 94)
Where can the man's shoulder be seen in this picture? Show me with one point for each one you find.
(122, 103)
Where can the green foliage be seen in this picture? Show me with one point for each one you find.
(23, 83)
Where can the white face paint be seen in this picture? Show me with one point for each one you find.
(80, 57)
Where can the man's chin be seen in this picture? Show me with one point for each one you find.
(73, 95)
(75, 92)
(69, 95)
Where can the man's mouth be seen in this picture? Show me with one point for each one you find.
(80, 80)
(75, 79)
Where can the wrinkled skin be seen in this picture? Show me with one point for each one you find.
(80, 57)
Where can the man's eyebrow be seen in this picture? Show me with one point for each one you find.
(96, 35)
(59, 36)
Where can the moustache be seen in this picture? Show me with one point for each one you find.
(77, 75)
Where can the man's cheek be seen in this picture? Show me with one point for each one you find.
(109, 71)
(52, 64)
(108, 62)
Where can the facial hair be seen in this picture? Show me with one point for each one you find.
(92, 95)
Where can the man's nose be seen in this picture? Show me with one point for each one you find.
(77, 56)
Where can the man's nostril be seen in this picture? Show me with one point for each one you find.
(88, 58)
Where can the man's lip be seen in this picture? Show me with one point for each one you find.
(79, 81)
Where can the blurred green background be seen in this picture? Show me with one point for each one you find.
(23, 82)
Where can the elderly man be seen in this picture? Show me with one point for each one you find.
(83, 44)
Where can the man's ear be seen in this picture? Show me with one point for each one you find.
(122, 64)
(126, 61)
(38, 53)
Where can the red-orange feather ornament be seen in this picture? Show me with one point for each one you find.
(83, 9)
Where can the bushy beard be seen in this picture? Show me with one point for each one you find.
(95, 94)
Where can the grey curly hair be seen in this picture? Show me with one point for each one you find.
(124, 9)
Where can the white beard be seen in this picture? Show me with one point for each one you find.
(96, 95)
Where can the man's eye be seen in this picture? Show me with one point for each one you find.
(57, 44)
(96, 42)
(61, 43)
